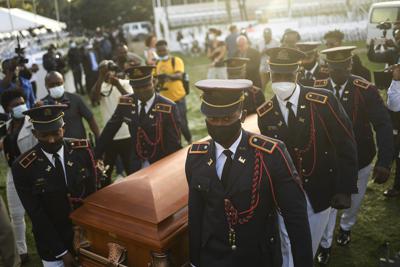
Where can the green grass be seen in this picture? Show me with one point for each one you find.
(378, 221)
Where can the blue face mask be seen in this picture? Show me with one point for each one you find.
(18, 110)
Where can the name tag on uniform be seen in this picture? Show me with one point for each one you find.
(395, 132)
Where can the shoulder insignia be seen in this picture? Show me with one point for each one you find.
(199, 148)
(315, 97)
(320, 83)
(264, 108)
(79, 143)
(126, 100)
(361, 83)
(165, 108)
(263, 143)
(27, 160)
(324, 70)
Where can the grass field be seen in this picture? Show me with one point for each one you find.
(379, 220)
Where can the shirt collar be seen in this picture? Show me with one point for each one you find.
(220, 149)
(294, 98)
(149, 102)
(60, 153)
(313, 68)
(341, 87)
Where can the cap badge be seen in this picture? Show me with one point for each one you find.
(47, 112)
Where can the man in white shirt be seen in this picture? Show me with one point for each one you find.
(267, 43)
(107, 91)
(393, 104)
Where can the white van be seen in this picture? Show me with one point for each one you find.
(382, 12)
(137, 30)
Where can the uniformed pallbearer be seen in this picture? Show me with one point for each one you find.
(253, 97)
(237, 182)
(365, 107)
(319, 137)
(152, 119)
(311, 68)
(52, 179)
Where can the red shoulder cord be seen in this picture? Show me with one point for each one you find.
(93, 166)
(340, 122)
(141, 133)
(358, 98)
(178, 132)
(310, 145)
(234, 217)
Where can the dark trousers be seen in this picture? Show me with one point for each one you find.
(181, 106)
(396, 183)
(77, 73)
(124, 149)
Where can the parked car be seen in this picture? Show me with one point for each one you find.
(137, 31)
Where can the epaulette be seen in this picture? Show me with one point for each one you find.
(264, 108)
(27, 160)
(315, 97)
(199, 148)
(165, 108)
(361, 83)
(324, 70)
(79, 143)
(320, 83)
(263, 143)
(125, 100)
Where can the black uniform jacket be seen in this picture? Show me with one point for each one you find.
(262, 180)
(254, 98)
(321, 144)
(318, 74)
(155, 137)
(365, 108)
(48, 200)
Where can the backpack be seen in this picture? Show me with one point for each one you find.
(185, 77)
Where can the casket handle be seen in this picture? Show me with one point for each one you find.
(98, 258)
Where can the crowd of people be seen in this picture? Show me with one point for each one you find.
(310, 164)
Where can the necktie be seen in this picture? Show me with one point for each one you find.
(227, 167)
(291, 117)
(337, 91)
(142, 111)
(59, 170)
(308, 75)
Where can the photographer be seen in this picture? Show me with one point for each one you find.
(390, 53)
(169, 71)
(14, 80)
(107, 91)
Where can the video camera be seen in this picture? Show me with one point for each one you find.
(111, 66)
(21, 59)
(161, 79)
(384, 26)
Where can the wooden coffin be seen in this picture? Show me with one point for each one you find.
(145, 216)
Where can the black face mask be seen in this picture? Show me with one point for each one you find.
(53, 147)
(224, 135)
(309, 66)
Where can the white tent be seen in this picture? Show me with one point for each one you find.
(23, 20)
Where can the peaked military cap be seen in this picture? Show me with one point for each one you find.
(47, 118)
(339, 57)
(236, 67)
(308, 48)
(284, 59)
(222, 97)
(140, 76)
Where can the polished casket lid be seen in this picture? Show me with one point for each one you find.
(149, 206)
